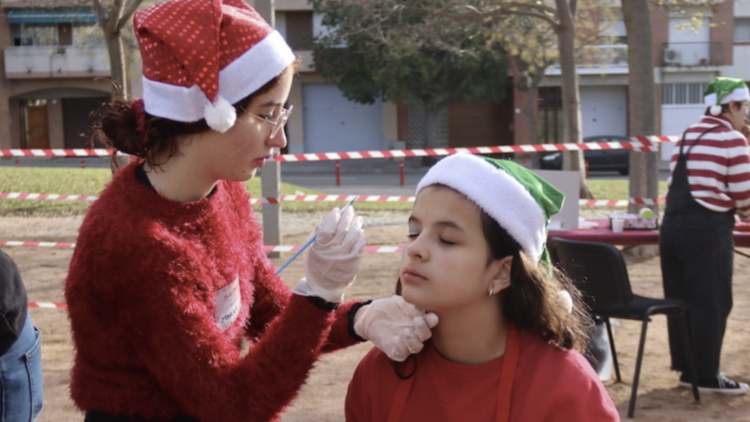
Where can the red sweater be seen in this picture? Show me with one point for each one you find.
(142, 297)
(549, 385)
(718, 166)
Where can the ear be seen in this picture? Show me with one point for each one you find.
(500, 269)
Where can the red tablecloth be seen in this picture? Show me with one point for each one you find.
(602, 233)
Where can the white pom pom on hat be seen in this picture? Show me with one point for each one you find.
(221, 115)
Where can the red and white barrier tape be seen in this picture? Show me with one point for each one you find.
(638, 143)
(55, 152)
(368, 249)
(51, 305)
(332, 198)
(21, 195)
(38, 244)
(620, 202)
(267, 248)
(645, 145)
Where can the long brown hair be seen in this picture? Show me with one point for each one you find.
(533, 300)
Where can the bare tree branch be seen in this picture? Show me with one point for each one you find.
(100, 13)
(128, 13)
(114, 15)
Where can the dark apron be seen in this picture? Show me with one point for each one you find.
(697, 257)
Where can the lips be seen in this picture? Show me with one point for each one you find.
(260, 162)
(410, 275)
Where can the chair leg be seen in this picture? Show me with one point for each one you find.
(689, 356)
(634, 391)
(612, 349)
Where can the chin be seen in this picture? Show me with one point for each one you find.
(411, 295)
(245, 176)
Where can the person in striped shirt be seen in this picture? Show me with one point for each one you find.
(709, 183)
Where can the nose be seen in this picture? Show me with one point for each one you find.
(278, 141)
(417, 249)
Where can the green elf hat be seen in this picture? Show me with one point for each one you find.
(517, 198)
(722, 91)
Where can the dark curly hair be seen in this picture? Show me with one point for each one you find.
(532, 301)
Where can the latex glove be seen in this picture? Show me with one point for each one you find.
(394, 326)
(333, 259)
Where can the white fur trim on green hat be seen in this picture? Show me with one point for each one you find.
(506, 198)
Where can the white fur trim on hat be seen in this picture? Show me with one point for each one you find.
(245, 75)
(739, 94)
(498, 194)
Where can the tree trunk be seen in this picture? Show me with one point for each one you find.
(644, 166)
(117, 63)
(112, 20)
(572, 160)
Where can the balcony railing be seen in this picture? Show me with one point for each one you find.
(693, 54)
(602, 55)
(56, 62)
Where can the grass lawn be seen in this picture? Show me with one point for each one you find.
(90, 182)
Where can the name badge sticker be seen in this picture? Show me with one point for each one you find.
(228, 304)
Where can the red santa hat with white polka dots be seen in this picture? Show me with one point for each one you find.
(202, 56)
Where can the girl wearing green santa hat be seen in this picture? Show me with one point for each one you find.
(709, 183)
(506, 345)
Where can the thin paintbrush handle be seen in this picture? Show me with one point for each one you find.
(310, 242)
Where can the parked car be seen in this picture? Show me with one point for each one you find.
(607, 159)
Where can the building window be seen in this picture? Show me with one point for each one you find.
(681, 94)
(742, 30)
(30, 34)
(550, 123)
(299, 30)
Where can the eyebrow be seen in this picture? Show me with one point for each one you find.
(447, 223)
(272, 104)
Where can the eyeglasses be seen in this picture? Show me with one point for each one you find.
(278, 122)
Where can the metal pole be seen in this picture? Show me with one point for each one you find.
(401, 171)
(271, 188)
(338, 173)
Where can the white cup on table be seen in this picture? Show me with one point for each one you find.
(617, 225)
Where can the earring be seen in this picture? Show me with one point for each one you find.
(491, 290)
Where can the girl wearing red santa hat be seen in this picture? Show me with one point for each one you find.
(169, 273)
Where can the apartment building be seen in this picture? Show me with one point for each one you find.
(51, 57)
(686, 58)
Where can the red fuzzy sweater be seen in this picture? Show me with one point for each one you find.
(141, 294)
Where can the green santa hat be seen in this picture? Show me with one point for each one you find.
(722, 91)
(517, 198)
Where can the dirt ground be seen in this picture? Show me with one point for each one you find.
(322, 399)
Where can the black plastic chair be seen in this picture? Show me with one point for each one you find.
(599, 271)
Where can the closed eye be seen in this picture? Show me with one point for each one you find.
(446, 242)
